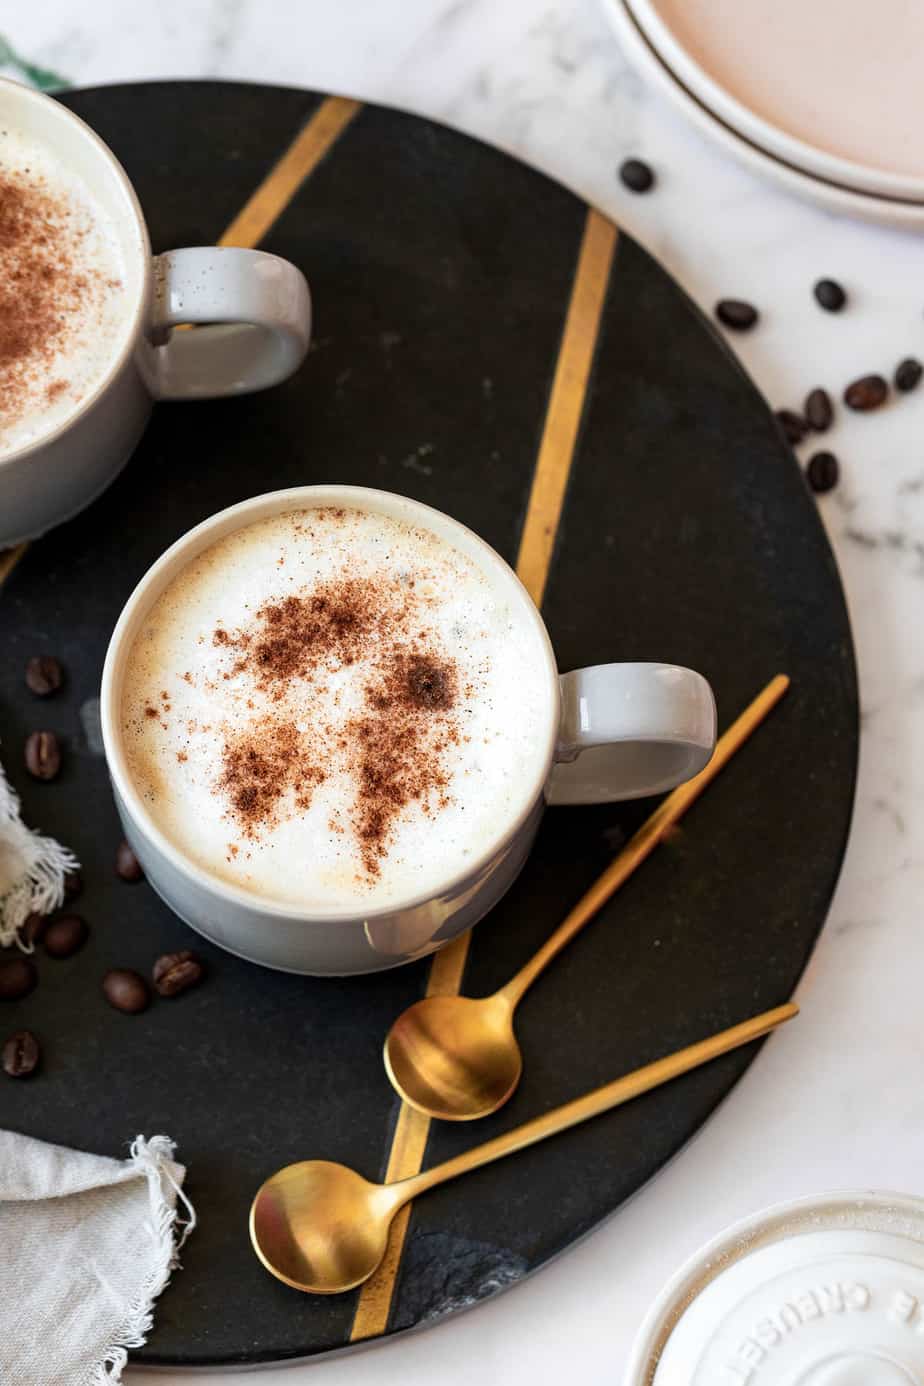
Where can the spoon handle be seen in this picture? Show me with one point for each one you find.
(646, 839)
(593, 1103)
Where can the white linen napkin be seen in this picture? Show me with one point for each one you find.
(86, 1246)
(32, 868)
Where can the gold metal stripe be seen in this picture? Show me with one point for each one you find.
(405, 1158)
(268, 203)
(8, 560)
(284, 180)
(566, 403)
(553, 466)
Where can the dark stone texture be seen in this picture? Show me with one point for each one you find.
(445, 1274)
(440, 271)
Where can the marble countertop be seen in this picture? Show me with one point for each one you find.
(835, 1100)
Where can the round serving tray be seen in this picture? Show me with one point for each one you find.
(443, 275)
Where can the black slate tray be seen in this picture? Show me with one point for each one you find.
(441, 271)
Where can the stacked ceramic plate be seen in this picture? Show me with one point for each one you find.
(827, 98)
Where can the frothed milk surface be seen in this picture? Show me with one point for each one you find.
(332, 706)
(64, 308)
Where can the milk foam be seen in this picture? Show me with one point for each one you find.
(185, 699)
(41, 389)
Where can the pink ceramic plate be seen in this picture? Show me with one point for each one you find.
(829, 87)
(826, 192)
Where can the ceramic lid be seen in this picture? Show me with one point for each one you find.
(827, 1291)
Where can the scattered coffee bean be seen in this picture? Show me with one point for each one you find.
(44, 675)
(17, 978)
(33, 929)
(73, 885)
(126, 990)
(637, 176)
(20, 1055)
(128, 867)
(869, 392)
(819, 412)
(793, 425)
(830, 295)
(908, 374)
(66, 935)
(176, 972)
(43, 755)
(736, 314)
(822, 472)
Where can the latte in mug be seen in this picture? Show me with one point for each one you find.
(332, 705)
(64, 305)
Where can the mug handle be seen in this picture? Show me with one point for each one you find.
(629, 730)
(258, 310)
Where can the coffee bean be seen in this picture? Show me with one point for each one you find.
(33, 929)
(126, 990)
(819, 412)
(637, 176)
(20, 1055)
(44, 675)
(65, 936)
(793, 425)
(17, 978)
(43, 755)
(908, 374)
(128, 867)
(869, 392)
(822, 471)
(73, 885)
(736, 314)
(830, 295)
(176, 972)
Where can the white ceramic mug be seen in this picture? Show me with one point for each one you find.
(257, 306)
(614, 731)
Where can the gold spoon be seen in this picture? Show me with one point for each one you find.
(322, 1228)
(458, 1058)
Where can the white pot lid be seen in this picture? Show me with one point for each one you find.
(826, 1291)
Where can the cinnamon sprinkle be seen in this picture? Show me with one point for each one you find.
(263, 765)
(391, 753)
(397, 747)
(44, 296)
(331, 625)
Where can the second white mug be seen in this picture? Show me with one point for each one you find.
(614, 731)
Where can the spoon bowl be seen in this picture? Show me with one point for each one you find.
(454, 1057)
(320, 1227)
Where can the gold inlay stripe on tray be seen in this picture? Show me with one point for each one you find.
(267, 204)
(8, 560)
(537, 544)
(283, 181)
(566, 404)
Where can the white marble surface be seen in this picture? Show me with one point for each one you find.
(835, 1100)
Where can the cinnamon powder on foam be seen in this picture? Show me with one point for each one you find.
(45, 294)
(393, 750)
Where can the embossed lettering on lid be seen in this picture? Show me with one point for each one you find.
(827, 1291)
